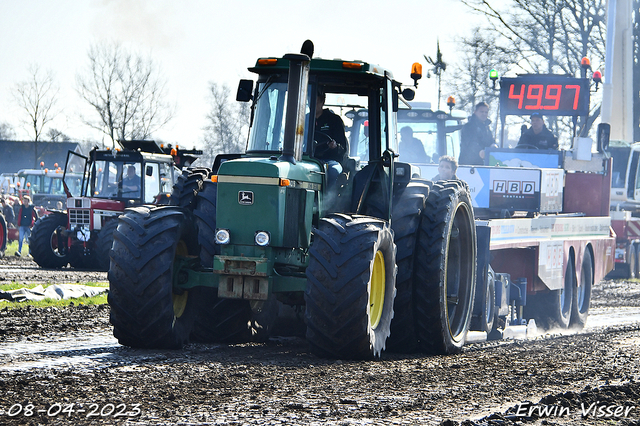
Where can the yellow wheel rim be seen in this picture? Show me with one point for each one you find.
(376, 291)
(179, 303)
(180, 300)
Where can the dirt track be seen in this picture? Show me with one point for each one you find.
(280, 382)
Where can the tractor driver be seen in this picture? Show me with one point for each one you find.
(131, 182)
(331, 141)
(537, 136)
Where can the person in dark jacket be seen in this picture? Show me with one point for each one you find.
(475, 136)
(331, 141)
(411, 149)
(7, 210)
(537, 135)
(27, 216)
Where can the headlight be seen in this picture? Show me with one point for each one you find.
(222, 236)
(263, 238)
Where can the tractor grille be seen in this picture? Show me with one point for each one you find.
(79, 217)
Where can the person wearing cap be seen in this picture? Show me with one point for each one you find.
(475, 136)
(537, 135)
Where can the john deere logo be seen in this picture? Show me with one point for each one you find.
(245, 197)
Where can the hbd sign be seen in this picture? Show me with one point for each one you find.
(513, 188)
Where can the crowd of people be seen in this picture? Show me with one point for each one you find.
(19, 213)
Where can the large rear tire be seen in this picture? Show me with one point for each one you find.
(104, 244)
(48, 244)
(405, 222)
(582, 294)
(445, 269)
(145, 311)
(350, 287)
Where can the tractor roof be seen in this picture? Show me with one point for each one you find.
(319, 65)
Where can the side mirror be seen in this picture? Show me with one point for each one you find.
(408, 94)
(245, 88)
(604, 133)
(148, 171)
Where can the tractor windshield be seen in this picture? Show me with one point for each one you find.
(130, 180)
(267, 131)
(112, 179)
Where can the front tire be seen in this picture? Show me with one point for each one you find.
(48, 243)
(145, 311)
(445, 269)
(350, 287)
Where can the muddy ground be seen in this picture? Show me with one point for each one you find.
(43, 381)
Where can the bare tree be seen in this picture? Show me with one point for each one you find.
(56, 135)
(6, 132)
(547, 36)
(469, 77)
(125, 92)
(227, 123)
(37, 96)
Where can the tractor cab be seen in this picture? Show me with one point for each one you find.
(437, 131)
(127, 176)
(96, 190)
(347, 86)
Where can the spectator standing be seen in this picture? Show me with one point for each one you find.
(27, 216)
(476, 136)
(7, 210)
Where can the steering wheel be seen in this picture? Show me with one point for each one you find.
(322, 141)
(526, 146)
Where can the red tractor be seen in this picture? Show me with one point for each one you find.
(106, 182)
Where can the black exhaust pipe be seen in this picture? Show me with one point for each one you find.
(296, 103)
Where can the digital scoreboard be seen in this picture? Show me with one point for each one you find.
(548, 95)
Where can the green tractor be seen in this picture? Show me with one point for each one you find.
(374, 259)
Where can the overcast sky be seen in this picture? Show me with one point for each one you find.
(194, 42)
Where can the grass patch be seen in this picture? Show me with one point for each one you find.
(100, 299)
(14, 285)
(12, 248)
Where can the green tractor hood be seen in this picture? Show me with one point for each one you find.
(268, 195)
